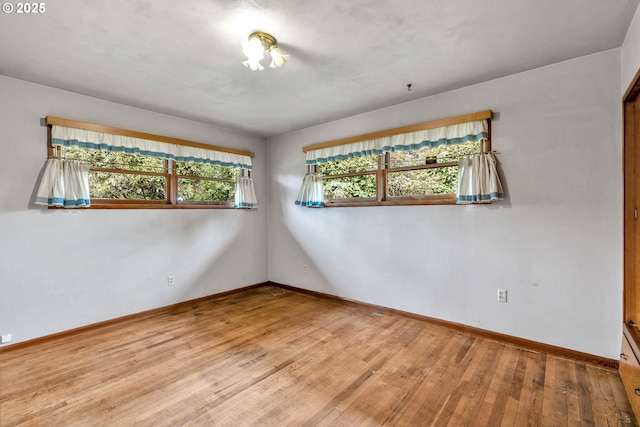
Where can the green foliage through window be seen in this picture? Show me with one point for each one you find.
(417, 173)
(122, 176)
(193, 187)
(354, 164)
(431, 181)
(363, 186)
(440, 154)
(125, 185)
(202, 190)
(360, 186)
(113, 159)
(423, 182)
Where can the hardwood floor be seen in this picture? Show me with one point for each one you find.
(270, 357)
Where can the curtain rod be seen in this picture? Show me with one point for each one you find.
(480, 115)
(57, 121)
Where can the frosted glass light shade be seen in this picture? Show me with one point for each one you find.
(254, 51)
(253, 65)
(278, 59)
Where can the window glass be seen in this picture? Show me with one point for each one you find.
(423, 182)
(427, 155)
(115, 175)
(202, 190)
(205, 170)
(360, 181)
(114, 160)
(198, 182)
(418, 173)
(121, 176)
(362, 186)
(123, 186)
(354, 164)
(428, 171)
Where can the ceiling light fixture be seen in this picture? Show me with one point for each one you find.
(254, 48)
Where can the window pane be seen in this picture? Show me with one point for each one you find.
(110, 185)
(204, 190)
(423, 182)
(205, 170)
(441, 154)
(114, 160)
(352, 187)
(355, 164)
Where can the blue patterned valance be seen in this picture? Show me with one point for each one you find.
(66, 136)
(477, 130)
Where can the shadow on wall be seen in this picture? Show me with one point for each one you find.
(301, 269)
(196, 247)
(103, 264)
(32, 199)
(358, 252)
(229, 266)
(142, 248)
(506, 203)
(149, 244)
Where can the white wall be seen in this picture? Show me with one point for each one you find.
(555, 243)
(631, 52)
(64, 269)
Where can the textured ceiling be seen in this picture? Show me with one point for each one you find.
(184, 58)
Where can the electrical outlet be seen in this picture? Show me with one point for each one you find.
(171, 280)
(304, 268)
(6, 338)
(502, 295)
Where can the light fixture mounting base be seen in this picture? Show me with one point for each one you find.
(266, 39)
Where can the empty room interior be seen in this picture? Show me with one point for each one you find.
(288, 213)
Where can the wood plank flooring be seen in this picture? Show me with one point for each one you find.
(270, 357)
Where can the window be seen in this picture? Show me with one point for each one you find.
(121, 176)
(202, 183)
(413, 165)
(127, 171)
(138, 179)
(427, 171)
(350, 179)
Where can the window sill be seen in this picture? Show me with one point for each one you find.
(95, 204)
(448, 199)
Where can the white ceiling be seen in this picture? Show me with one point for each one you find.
(184, 58)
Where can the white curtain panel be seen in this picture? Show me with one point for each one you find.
(446, 135)
(65, 183)
(311, 194)
(64, 136)
(245, 197)
(478, 180)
